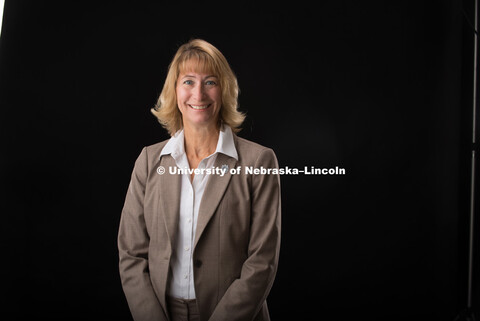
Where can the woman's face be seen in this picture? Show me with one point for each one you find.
(199, 98)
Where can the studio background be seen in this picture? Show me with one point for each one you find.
(380, 88)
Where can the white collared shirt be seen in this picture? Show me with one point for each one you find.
(181, 283)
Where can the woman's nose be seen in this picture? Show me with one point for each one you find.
(199, 92)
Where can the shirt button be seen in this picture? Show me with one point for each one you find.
(187, 248)
(189, 220)
(185, 276)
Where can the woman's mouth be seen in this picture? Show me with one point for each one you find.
(199, 107)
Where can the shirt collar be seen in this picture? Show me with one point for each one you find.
(225, 145)
(175, 145)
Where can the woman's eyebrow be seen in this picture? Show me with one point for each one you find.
(192, 76)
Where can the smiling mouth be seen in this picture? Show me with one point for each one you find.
(199, 107)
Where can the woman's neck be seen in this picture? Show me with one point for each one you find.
(200, 142)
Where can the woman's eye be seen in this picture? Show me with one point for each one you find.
(211, 83)
(188, 82)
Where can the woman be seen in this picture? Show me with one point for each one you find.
(198, 244)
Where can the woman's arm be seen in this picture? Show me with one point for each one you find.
(133, 242)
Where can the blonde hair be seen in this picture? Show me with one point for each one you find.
(208, 59)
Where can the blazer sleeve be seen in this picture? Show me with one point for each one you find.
(247, 294)
(133, 244)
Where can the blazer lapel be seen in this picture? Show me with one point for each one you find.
(213, 193)
(170, 185)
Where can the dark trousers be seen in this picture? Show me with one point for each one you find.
(182, 310)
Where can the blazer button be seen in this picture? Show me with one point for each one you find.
(198, 263)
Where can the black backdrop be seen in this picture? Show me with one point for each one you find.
(381, 88)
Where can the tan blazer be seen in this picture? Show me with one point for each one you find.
(237, 240)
